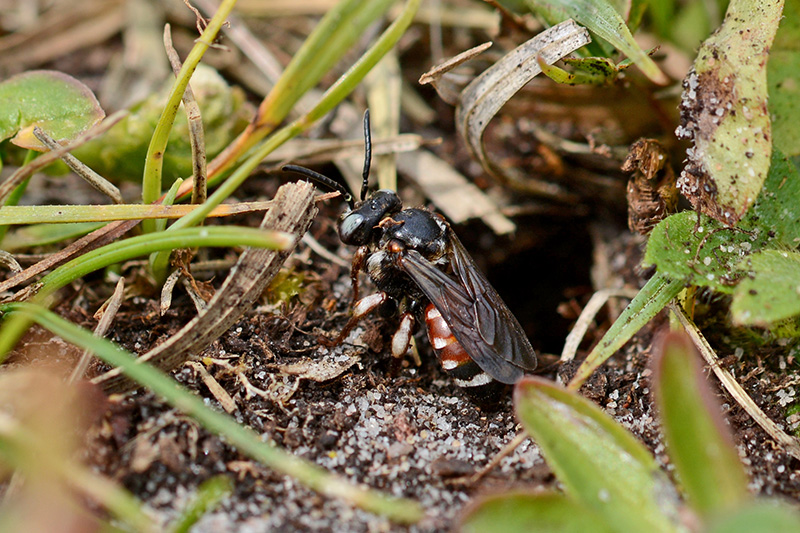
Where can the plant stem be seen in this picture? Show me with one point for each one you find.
(151, 180)
(140, 245)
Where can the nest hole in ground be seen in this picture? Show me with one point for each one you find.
(534, 281)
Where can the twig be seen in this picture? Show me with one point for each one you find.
(214, 387)
(166, 290)
(93, 178)
(197, 139)
(507, 450)
(24, 172)
(323, 252)
(789, 444)
(293, 212)
(249, 44)
(7, 260)
(191, 289)
(596, 302)
(111, 307)
(480, 101)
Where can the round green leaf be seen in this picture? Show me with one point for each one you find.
(57, 103)
(699, 251)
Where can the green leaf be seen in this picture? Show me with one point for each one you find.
(588, 71)
(654, 296)
(776, 213)
(692, 249)
(59, 104)
(700, 251)
(771, 289)
(698, 441)
(697, 250)
(120, 153)
(761, 517)
(524, 512)
(600, 17)
(724, 112)
(783, 76)
(601, 465)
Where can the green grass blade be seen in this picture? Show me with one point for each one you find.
(52, 223)
(600, 17)
(332, 97)
(208, 496)
(333, 36)
(44, 234)
(338, 30)
(29, 452)
(244, 439)
(522, 512)
(140, 245)
(653, 297)
(159, 262)
(169, 199)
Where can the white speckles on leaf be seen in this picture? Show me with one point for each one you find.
(724, 113)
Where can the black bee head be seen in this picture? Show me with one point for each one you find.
(356, 227)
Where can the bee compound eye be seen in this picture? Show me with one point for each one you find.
(353, 229)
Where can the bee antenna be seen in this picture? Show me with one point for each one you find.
(367, 156)
(323, 181)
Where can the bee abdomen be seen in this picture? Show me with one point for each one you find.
(452, 356)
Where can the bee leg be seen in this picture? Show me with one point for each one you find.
(361, 308)
(401, 340)
(359, 260)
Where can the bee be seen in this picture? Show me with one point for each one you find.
(414, 258)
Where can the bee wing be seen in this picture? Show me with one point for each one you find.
(497, 324)
(476, 314)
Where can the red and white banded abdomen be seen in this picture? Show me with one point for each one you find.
(452, 356)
